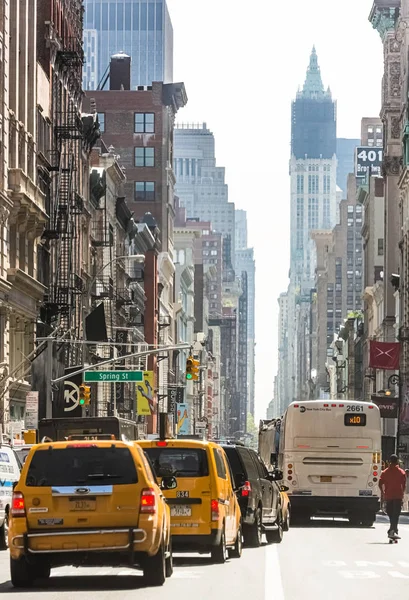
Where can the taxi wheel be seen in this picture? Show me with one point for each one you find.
(219, 552)
(154, 568)
(21, 573)
(286, 522)
(43, 570)
(237, 551)
(4, 533)
(169, 560)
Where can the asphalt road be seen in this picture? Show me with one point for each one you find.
(326, 560)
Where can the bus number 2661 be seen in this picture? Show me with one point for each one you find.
(355, 408)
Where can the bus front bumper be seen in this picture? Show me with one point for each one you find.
(334, 504)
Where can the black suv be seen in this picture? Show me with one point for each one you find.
(258, 494)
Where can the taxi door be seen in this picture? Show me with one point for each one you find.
(234, 508)
(224, 490)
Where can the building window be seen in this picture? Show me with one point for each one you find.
(312, 213)
(313, 184)
(144, 190)
(300, 184)
(327, 184)
(101, 121)
(144, 122)
(380, 246)
(144, 157)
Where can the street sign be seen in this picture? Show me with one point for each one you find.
(31, 416)
(112, 376)
(368, 158)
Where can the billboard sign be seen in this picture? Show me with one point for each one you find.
(368, 159)
(145, 395)
(388, 407)
(182, 419)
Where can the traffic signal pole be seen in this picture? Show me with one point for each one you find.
(52, 382)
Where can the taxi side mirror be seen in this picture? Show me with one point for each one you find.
(168, 483)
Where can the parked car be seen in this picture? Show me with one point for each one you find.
(89, 503)
(205, 513)
(258, 494)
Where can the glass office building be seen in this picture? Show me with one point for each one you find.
(141, 29)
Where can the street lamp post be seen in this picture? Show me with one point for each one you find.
(395, 379)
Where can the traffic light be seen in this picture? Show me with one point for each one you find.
(85, 395)
(192, 369)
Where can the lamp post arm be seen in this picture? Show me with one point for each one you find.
(113, 360)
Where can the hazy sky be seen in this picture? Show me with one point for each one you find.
(242, 63)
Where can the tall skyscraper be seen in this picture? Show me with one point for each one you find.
(200, 184)
(313, 172)
(141, 29)
(245, 262)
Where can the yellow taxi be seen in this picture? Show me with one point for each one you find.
(205, 514)
(286, 507)
(88, 503)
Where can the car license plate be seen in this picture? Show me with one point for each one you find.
(180, 511)
(325, 479)
(78, 505)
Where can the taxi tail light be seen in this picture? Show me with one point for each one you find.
(148, 501)
(18, 505)
(215, 510)
(246, 489)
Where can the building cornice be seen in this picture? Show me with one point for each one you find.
(384, 16)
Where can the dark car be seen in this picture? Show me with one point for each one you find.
(258, 494)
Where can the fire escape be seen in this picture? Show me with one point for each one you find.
(67, 205)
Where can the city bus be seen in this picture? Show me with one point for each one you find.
(330, 456)
(87, 428)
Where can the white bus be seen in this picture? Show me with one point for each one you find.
(330, 455)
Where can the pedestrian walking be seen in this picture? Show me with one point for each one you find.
(393, 485)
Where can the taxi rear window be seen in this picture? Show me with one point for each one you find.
(183, 462)
(81, 466)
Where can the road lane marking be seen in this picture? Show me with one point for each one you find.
(273, 575)
(373, 563)
(359, 574)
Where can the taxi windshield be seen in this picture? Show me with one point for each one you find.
(181, 462)
(80, 466)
